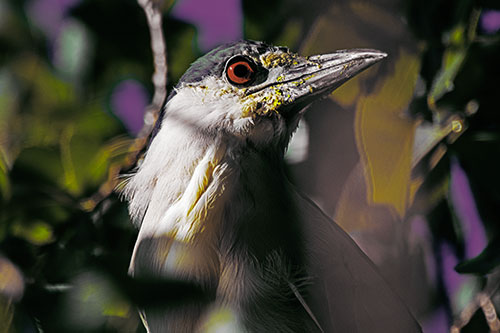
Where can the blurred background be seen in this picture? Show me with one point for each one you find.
(405, 157)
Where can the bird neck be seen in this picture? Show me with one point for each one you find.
(260, 245)
(260, 212)
(228, 214)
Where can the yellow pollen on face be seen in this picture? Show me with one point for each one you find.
(223, 92)
(271, 60)
(263, 104)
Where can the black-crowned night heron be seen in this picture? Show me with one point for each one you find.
(215, 208)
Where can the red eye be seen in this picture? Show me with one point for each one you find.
(240, 72)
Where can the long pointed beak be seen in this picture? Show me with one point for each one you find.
(306, 79)
(321, 74)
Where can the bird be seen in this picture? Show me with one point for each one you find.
(215, 209)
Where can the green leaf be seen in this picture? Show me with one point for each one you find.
(458, 41)
(5, 188)
(37, 233)
(443, 82)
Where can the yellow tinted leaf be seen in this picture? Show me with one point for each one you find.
(4, 177)
(385, 137)
(38, 233)
(70, 179)
(116, 308)
(458, 43)
(443, 83)
(378, 188)
(348, 93)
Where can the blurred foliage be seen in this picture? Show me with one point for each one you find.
(63, 266)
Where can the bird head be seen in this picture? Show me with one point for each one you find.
(257, 92)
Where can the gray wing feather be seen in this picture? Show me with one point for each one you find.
(347, 293)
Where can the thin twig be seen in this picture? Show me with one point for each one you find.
(159, 48)
(489, 313)
(483, 301)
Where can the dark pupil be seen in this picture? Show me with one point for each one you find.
(241, 71)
